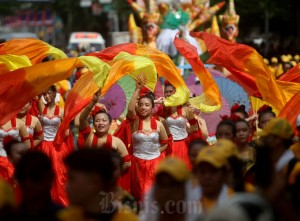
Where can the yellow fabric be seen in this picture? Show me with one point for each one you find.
(166, 68)
(132, 65)
(97, 67)
(277, 126)
(213, 156)
(257, 103)
(12, 62)
(174, 167)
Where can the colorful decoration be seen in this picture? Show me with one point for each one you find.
(230, 21)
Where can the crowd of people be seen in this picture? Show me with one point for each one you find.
(153, 164)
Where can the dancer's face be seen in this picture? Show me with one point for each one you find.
(49, 95)
(145, 107)
(101, 123)
(242, 132)
(169, 90)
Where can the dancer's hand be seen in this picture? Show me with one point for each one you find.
(97, 95)
(140, 81)
(160, 100)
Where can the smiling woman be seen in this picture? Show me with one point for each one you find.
(101, 138)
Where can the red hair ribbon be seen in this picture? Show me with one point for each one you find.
(96, 110)
(144, 91)
(167, 82)
(264, 108)
(236, 108)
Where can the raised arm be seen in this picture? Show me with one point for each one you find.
(140, 82)
(83, 119)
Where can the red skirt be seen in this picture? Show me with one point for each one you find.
(142, 175)
(180, 150)
(6, 168)
(57, 156)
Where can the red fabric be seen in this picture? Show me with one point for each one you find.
(126, 158)
(193, 121)
(5, 168)
(292, 75)
(81, 135)
(108, 143)
(124, 133)
(170, 142)
(142, 175)
(195, 136)
(34, 110)
(57, 155)
(180, 149)
(28, 122)
(56, 111)
(125, 180)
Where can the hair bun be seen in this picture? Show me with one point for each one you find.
(264, 108)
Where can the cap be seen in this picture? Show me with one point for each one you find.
(174, 167)
(213, 156)
(293, 63)
(228, 147)
(284, 58)
(274, 60)
(277, 126)
(298, 121)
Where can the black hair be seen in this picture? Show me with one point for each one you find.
(9, 146)
(95, 160)
(198, 141)
(35, 166)
(265, 111)
(150, 96)
(102, 111)
(227, 122)
(244, 121)
(168, 85)
(115, 154)
(241, 109)
(52, 88)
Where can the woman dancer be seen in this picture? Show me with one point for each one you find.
(51, 116)
(149, 140)
(176, 119)
(32, 124)
(101, 138)
(14, 128)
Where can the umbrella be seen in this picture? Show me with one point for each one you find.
(114, 101)
(233, 92)
(127, 84)
(212, 119)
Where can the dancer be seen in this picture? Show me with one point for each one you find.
(176, 119)
(149, 140)
(246, 152)
(32, 124)
(14, 128)
(51, 116)
(101, 138)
